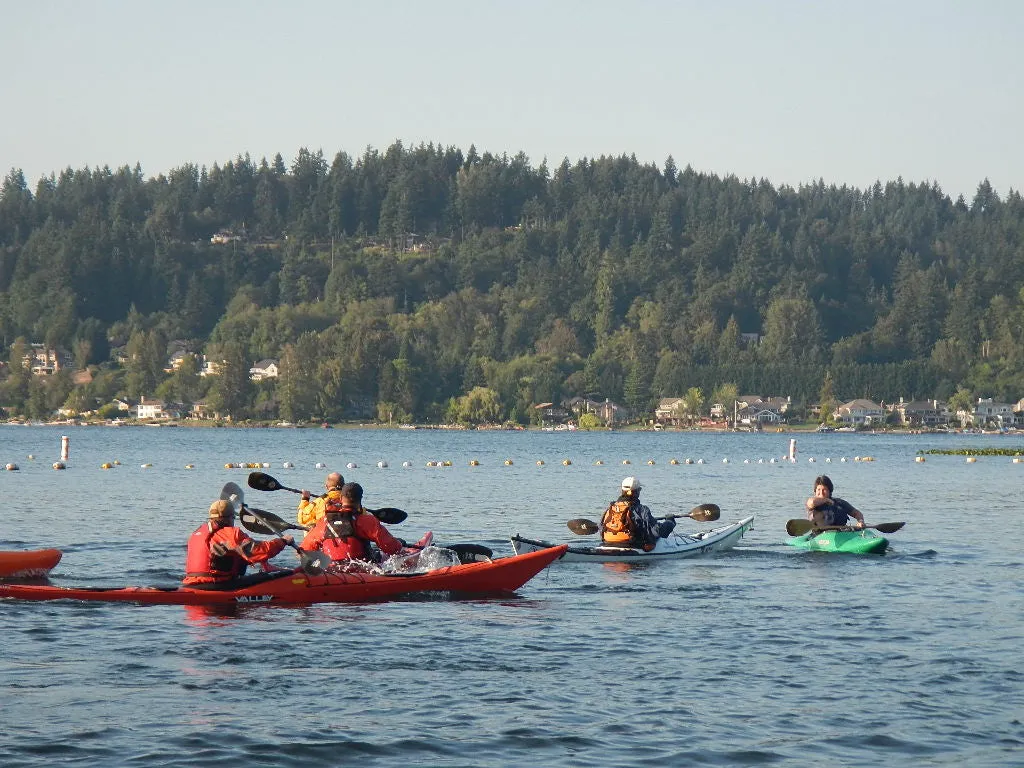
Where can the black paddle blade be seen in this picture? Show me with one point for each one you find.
(582, 526)
(313, 562)
(470, 551)
(256, 524)
(389, 515)
(887, 527)
(261, 481)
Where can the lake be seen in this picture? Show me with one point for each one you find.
(762, 655)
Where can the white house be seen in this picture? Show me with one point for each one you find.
(860, 412)
(150, 409)
(264, 369)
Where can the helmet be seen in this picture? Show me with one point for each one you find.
(221, 510)
(630, 484)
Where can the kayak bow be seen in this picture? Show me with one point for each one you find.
(28, 564)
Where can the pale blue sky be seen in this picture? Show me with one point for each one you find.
(850, 92)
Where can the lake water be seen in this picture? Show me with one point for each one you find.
(763, 655)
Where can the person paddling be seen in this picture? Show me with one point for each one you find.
(346, 529)
(824, 509)
(311, 510)
(628, 523)
(218, 552)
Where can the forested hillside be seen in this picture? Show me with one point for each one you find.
(393, 282)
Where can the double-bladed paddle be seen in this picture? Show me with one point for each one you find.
(261, 481)
(257, 521)
(704, 513)
(797, 527)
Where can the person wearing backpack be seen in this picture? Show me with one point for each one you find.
(628, 523)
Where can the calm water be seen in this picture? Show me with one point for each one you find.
(764, 655)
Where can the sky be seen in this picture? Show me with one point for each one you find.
(791, 91)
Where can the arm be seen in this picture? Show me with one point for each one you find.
(310, 510)
(315, 538)
(248, 549)
(369, 527)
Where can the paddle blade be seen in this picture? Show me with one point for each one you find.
(705, 512)
(799, 527)
(261, 481)
(887, 527)
(232, 493)
(313, 562)
(582, 526)
(261, 521)
(389, 515)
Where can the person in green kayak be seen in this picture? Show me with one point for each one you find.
(824, 509)
(219, 552)
(628, 523)
(311, 510)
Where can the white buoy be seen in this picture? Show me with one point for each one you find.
(351, 465)
(919, 459)
(12, 467)
(382, 465)
(746, 461)
(724, 461)
(320, 465)
(65, 447)
(288, 465)
(407, 464)
(59, 465)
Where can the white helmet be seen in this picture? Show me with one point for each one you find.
(631, 484)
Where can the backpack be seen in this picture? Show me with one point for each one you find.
(617, 525)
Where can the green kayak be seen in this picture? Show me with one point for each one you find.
(853, 541)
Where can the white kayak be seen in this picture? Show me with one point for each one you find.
(677, 545)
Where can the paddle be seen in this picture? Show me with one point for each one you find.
(704, 513)
(261, 481)
(798, 527)
(267, 522)
(255, 520)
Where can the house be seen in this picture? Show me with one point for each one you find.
(201, 410)
(150, 409)
(921, 413)
(668, 411)
(988, 412)
(860, 411)
(211, 368)
(549, 413)
(610, 413)
(226, 236)
(46, 361)
(175, 360)
(264, 369)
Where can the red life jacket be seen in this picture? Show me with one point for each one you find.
(617, 524)
(201, 562)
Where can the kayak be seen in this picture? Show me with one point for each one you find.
(501, 576)
(28, 564)
(675, 546)
(850, 541)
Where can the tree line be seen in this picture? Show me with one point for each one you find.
(400, 282)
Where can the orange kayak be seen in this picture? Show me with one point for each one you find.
(501, 576)
(28, 564)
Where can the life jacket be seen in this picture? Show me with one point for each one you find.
(201, 562)
(617, 525)
(341, 540)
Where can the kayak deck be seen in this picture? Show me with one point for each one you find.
(28, 564)
(675, 546)
(501, 576)
(853, 541)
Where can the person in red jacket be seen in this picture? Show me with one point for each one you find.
(346, 529)
(219, 552)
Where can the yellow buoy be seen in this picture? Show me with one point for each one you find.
(566, 462)
(598, 463)
(650, 462)
(971, 459)
(447, 462)
(474, 463)
(540, 462)
(673, 461)
(190, 466)
(59, 465)
(868, 458)
(106, 465)
(146, 466)
(508, 462)
(625, 461)
(12, 467)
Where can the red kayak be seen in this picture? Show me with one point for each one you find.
(500, 576)
(26, 565)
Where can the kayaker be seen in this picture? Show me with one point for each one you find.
(346, 529)
(219, 552)
(824, 509)
(312, 510)
(628, 523)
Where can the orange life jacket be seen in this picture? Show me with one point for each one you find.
(617, 524)
(200, 562)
